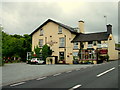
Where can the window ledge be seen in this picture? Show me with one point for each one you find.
(41, 35)
(60, 33)
(75, 48)
(61, 47)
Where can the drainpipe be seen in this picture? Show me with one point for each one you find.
(65, 49)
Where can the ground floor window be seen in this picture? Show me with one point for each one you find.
(75, 53)
(61, 55)
(75, 58)
(87, 55)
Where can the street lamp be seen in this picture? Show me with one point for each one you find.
(105, 19)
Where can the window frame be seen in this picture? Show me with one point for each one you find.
(94, 43)
(61, 57)
(75, 53)
(59, 30)
(41, 32)
(40, 45)
(75, 45)
(62, 42)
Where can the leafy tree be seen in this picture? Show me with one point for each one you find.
(15, 45)
(46, 52)
(36, 53)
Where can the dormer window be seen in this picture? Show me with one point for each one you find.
(59, 29)
(41, 32)
(94, 43)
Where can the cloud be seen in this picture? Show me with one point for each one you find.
(24, 17)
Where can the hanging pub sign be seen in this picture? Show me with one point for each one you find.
(103, 51)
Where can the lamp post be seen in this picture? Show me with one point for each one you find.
(105, 19)
(65, 49)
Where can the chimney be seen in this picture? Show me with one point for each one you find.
(81, 26)
(109, 29)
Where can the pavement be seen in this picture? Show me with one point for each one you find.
(17, 72)
(96, 76)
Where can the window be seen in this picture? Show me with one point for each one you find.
(90, 44)
(75, 45)
(41, 32)
(75, 53)
(61, 55)
(99, 44)
(94, 43)
(75, 56)
(62, 42)
(59, 29)
(40, 42)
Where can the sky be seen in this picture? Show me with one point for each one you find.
(23, 17)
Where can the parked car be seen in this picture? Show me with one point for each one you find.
(36, 61)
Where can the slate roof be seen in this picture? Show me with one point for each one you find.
(60, 24)
(90, 37)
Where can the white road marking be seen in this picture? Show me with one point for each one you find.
(57, 74)
(41, 78)
(68, 71)
(105, 72)
(17, 84)
(77, 86)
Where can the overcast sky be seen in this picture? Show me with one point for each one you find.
(24, 17)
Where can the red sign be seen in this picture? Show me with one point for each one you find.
(103, 51)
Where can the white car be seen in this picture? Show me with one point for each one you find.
(36, 61)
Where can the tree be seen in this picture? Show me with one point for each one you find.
(16, 45)
(36, 53)
(46, 52)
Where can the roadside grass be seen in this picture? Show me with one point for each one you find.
(1, 62)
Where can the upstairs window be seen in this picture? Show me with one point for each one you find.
(99, 42)
(41, 32)
(40, 42)
(90, 42)
(75, 45)
(59, 29)
(62, 42)
(94, 43)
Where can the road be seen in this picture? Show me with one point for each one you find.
(97, 76)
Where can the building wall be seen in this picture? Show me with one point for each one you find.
(111, 49)
(51, 33)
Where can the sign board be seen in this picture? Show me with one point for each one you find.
(103, 51)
